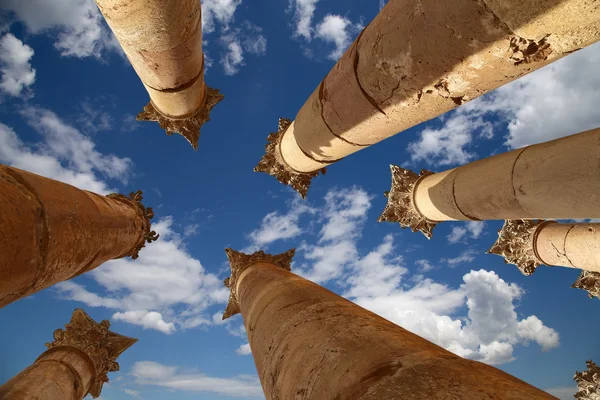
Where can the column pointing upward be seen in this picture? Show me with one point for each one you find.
(310, 343)
(76, 363)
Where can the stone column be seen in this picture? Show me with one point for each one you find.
(310, 343)
(529, 244)
(415, 61)
(559, 179)
(588, 382)
(75, 364)
(163, 41)
(52, 231)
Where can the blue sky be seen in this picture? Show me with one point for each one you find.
(68, 99)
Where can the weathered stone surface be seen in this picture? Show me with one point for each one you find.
(588, 382)
(590, 282)
(53, 231)
(516, 244)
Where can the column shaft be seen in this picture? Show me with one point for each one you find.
(58, 374)
(309, 343)
(553, 180)
(163, 41)
(52, 231)
(419, 59)
(569, 245)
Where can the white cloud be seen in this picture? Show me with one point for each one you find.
(164, 289)
(233, 59)
(458, 233)
(448, 145)
(244, 350)
(147, 319)
(131, 392)
(75, 25)
(489, 332)
(465, 257)
(15, 67)
(303, 14)
(155, 374)
(424, 265)
(339, 31)
(64, 154)
(220, 11)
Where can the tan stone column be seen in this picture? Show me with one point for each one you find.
(163, 41)
(559, 179)
(529, 244)
(588, 382)
(52, 231)
(75, 364)
(417, 60)
(310, 343)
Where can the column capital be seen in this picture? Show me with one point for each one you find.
(188, 127)
(400, 206)
(516, 243)
(590, 281)
(588, 382)
(239, 262)
(273, 164)
(94, 339)
(146, 213)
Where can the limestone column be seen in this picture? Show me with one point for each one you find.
(588, 382)
(163, 41)
(75, 364)
(310, 343)
(559, 179)
(52, 231)
(415, 61)
(529, 244)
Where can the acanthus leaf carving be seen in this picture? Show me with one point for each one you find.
(239, 261)
(589, 281)
(94, 339)
(400, 206)
(272, 163)
(516, 244)
(588, 382)
(188, 127)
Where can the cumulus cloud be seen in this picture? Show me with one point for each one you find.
(244, 350)
(339, 31)
(64, 153)
(15, 67)
(151, 373)
(76, 26)
(164, 289)
(377, 280)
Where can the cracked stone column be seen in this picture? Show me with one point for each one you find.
(588, 382)
(529, 244)
(415, 61)
(559, 179)
(75, 364)
(310, 343)
(52, 231)
(163, 41)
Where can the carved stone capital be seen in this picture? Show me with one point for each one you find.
(590, 281)
(95, 340)
(239, 262)
(516, 243)
(146, 213)
(400, 206)
(188, 127)
(588, 382)
(274, 165)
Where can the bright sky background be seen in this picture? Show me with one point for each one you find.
(68, 99)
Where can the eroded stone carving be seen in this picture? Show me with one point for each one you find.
(272, 164)
(95, 340)
(525, 51)
(516, 244)
(188, 127)
(400, 207)
(590, 281)
(239, 262)
(588, 382)
(146, 213)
